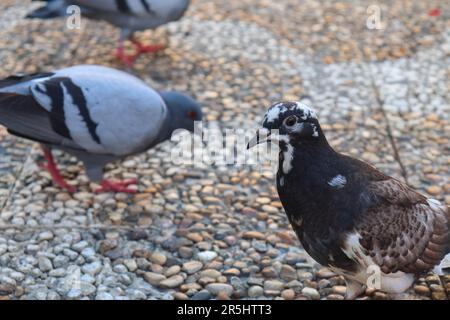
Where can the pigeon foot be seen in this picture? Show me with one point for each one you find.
(117, 186)
(142, 48)
(54, 172)
(126, 59)
(129, 59)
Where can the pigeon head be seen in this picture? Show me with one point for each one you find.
(294, 122)
(184, 110)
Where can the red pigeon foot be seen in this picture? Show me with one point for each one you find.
(126, 59)
(142, 48)
(129, 59)
(436, 12)
(54, 172)
(117, 186)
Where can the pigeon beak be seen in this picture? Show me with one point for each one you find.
(262, 135)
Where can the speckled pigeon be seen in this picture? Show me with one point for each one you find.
(349, 216)
(95, 113)
(129, 15)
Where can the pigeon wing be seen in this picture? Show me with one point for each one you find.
(106, 111)
(139, 8)
(24, 117)
(401, 231)
(92, 108)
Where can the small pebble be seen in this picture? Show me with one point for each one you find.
(311, 293)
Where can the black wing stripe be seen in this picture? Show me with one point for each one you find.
(123, 6)
(57, 116)
(80, 101)
(146, 6)
(25, 117)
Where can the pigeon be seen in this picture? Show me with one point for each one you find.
(129, 15)
(370, 228)
(94, 113)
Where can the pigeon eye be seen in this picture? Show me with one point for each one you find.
(192, 114)
(290, 121)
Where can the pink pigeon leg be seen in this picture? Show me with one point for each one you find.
(54, 172)
(142, 48)
(116, 186)
(120, 54)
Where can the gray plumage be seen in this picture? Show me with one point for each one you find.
(129, 15)
(96, 113)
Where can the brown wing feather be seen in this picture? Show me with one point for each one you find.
(404, 231)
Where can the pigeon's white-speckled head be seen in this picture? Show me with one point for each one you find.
(292, 119)
(280, 110)
(289, 123)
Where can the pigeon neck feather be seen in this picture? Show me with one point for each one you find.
(168, 126)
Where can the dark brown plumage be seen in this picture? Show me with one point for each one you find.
(348, 215)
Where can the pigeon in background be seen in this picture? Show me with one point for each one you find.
(95, 113)
(129, 15)
(348, 215)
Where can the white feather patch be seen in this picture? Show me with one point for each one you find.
(315, 132)
(353, 249)
(435, 204)
(274, 112)
(338, 181)
(41, 96)
(281, 181)
(77, 126)
(288, 156)
(307, 111)
(396, 282)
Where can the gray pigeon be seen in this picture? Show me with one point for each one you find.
(95, 113)
(129, 15)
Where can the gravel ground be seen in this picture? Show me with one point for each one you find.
(214, 231)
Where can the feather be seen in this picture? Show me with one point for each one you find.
(23, 116)
(411, 227)
(22, 78)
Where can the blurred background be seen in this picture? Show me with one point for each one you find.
(377, 72)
